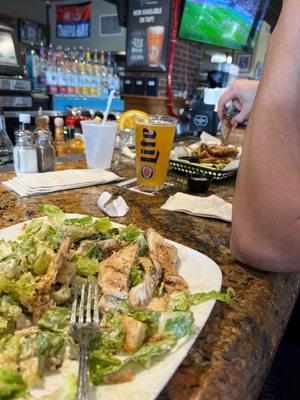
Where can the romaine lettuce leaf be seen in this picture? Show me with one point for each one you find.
(6, 285)
(129, 233)
(180, 301)
(150, 318)
(201, 297)
(32, 228)
(111, 336)
(87, 266)
(136, 275)
(11, 384)
(143, 245)
(41, 263)
(56, 319)
(102, 225)
(51, 210)
(9, 268)
(43, 344)
(146, 353)
(9, 350)
(178, 323)
(5, 250)
(101, 365)
(24, 287)
(84, 221)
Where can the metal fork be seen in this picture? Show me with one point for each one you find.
(84, 326)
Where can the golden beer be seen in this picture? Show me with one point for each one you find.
(154, 141)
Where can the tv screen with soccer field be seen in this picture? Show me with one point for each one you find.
(227, 23)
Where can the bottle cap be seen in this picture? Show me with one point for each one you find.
(24, 118)
(58, 122)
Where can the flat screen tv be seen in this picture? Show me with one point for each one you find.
(233, 24)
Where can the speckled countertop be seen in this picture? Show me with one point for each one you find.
(231, 357)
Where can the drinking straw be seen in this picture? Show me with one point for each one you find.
(111, 95)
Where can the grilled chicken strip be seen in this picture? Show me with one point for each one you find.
(141, 294)
(114, 274)
(109, 246)
(41, 300)
(164, 255)
(66, 273)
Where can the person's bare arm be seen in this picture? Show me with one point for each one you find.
(266, 211)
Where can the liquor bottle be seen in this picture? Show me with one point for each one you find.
(71, 141)
(109, 68)
(35, 69)
(42, 86)
(104, 81)
(116, 80)
(50, 56)
(29, 53)
(60, 145)
(51, 73)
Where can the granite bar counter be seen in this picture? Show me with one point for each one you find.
(231, 357)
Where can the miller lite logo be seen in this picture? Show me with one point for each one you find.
(148, 152)
(147, 172)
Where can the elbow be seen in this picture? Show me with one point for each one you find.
(260, 253)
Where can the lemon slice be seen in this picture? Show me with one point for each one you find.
(127, 119)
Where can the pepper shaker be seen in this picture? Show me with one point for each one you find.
(45, 152)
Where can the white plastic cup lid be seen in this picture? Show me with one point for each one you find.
(24, 118)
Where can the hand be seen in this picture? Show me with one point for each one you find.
(242, 94)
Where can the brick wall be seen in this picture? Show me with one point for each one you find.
(186, 68)
(186, 65)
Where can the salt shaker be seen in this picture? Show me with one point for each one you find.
(45, 152)
(25, 155)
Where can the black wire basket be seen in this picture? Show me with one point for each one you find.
(185, 167)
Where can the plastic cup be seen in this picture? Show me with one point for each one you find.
(99, 142)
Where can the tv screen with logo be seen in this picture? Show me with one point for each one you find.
(232, 24)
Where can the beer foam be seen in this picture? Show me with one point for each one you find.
(156, 30)
(169, 121)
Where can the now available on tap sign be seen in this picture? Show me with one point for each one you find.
(73, 21)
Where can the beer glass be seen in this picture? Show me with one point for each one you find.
(155, 39)
(154, 141)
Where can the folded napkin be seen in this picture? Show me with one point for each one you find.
(47, 182)
(115, 208)
(211, 206)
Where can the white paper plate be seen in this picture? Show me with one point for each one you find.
(202, 275)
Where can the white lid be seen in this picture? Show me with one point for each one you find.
(211, 96)
(231, 69)
(58, 121)
(24, 118)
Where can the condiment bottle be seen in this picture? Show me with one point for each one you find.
(25, 155)
(71, 141)
(60, 145)
(79, 142)
(40, 124)
(45, 152)
(24, 120)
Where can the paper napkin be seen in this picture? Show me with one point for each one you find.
(116, 208)
(210, 207)
(47, 182)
